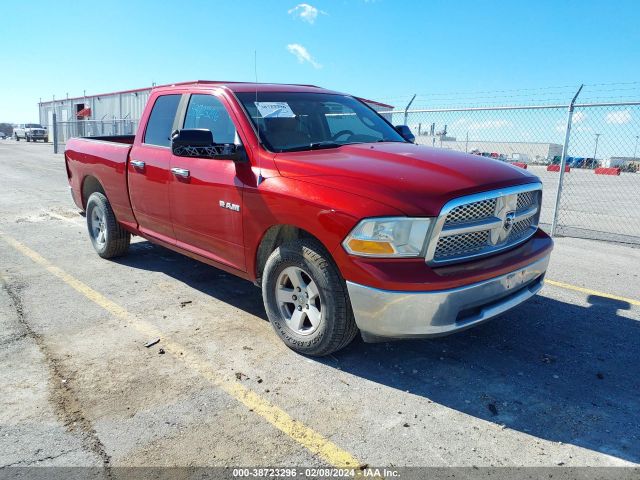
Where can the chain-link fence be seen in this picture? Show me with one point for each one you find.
(601, 192)
(600, 189)
(598, 143)
(90, 128)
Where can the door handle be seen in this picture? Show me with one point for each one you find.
(139, 164)
(180, 172)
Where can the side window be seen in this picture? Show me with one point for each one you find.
(161, 120)
(206, 111)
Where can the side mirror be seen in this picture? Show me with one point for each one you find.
(406, 133)
(198, 142)
(196, 137)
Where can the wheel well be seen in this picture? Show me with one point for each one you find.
(272, 239)
(90, 185)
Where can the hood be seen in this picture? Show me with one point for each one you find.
(414, 179)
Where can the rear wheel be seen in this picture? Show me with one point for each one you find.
(26, 137)
(109, 239)
(306, 299)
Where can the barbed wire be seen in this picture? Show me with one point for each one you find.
(624, 91)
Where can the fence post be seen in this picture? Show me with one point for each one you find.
(55, 133)
(563, 162)
(406, 109)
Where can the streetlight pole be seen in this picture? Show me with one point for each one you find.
(595, 150)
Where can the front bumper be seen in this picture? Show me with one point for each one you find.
(397, 314)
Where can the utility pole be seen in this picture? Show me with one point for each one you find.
(595, 150)
(466, 145)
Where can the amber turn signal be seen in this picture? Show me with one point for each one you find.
(368, 247)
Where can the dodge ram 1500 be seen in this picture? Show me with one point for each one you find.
(31, 132)
(344, 222)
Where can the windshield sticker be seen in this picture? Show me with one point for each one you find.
(275, 110)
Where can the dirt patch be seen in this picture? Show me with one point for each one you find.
(66, 404)
(55, 213)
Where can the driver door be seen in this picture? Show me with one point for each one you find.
(205, 193)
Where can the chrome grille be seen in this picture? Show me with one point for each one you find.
(520, 229)
(526, 199)
(465, 243)
(472, 211)
(485, 223)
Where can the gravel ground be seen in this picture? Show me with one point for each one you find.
(553, 382)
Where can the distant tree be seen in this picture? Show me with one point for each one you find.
(6, 128)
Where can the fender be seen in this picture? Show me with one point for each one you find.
(326, 213)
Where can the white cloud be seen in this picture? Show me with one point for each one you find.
(307, 13)
(578, 117)
(618, 117)
(302, 54)
(576, 120)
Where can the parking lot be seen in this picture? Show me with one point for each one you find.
(554, 382)
(593, 206)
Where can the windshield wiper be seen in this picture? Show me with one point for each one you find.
(314, 146)
(320, 145)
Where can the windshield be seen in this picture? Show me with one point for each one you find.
(33, 125)
(305, 121)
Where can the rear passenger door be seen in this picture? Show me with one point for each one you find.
(206, 201)
(149, 173)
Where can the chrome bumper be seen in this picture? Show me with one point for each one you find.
(398, 314)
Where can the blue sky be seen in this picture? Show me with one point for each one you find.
(380, 49)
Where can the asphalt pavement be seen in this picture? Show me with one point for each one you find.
(554, 382)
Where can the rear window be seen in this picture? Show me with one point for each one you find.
(161, 120)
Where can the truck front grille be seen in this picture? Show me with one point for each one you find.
(486, 223)
(472, 211)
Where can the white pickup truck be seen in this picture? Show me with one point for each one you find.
(31, 132)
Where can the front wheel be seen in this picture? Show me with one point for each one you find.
(109, 239)
(306, 299)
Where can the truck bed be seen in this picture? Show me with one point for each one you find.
(128, 139)
(101, 159)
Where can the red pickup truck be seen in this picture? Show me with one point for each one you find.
(344, 222)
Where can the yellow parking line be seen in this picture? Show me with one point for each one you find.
(304, 435)
(588, 291)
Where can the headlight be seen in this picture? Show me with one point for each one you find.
(388, 237)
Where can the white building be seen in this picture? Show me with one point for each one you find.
(528, 152)
(115, 113)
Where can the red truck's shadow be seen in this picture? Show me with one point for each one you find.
(205, 278)
(551, 369)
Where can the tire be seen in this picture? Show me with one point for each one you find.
(26, 137)
(16, 137)
(334, 328)
(108, 237)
